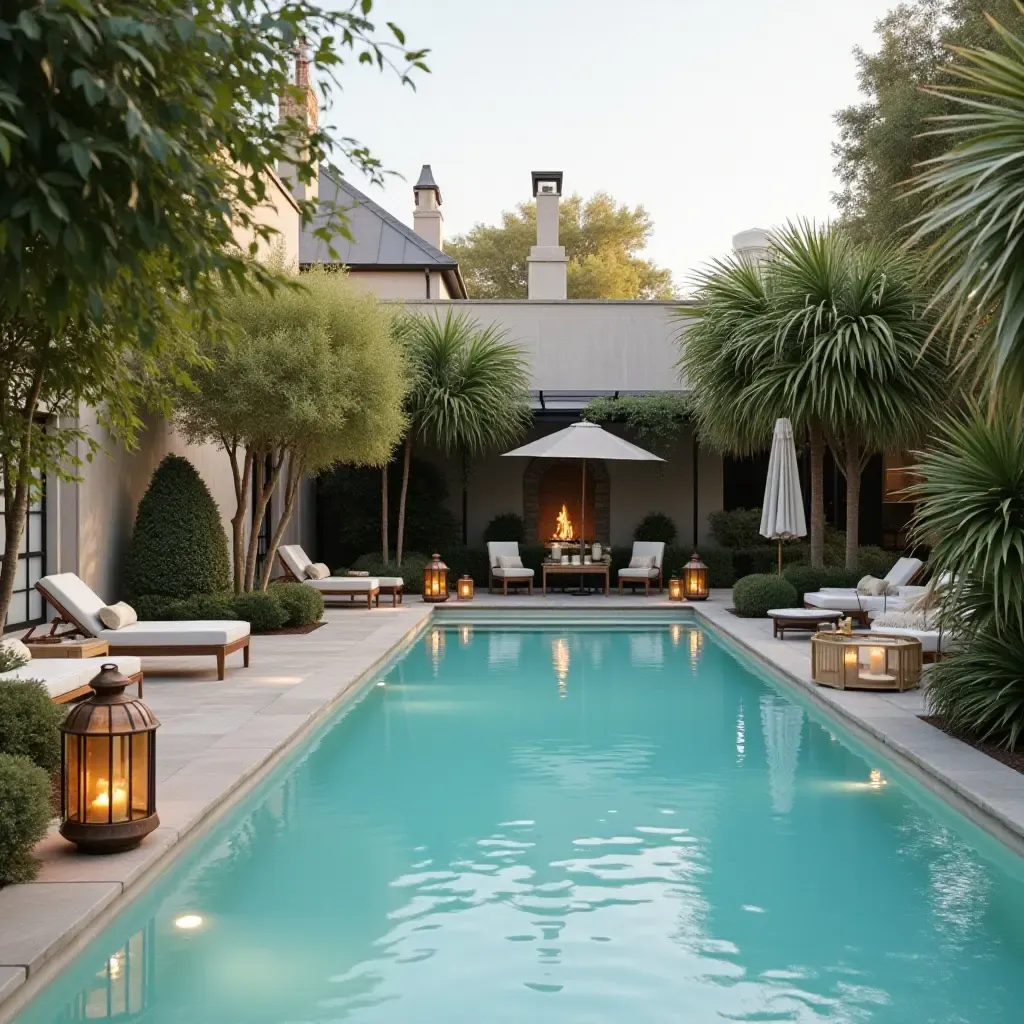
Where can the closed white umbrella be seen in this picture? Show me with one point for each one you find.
(782, 515)
(583, 441)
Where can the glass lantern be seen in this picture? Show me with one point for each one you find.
(435, 580)
(865, 661)
(695, 579)
(108, 768)
(465, 588)
(675, 589)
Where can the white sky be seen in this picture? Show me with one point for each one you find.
(716, 115)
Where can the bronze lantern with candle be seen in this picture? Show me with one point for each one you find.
(695, 579)
(675, 589)
(464, 588)
(108, 768)
(435, 580)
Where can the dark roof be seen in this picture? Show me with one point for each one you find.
(381, 240)
(427, 181)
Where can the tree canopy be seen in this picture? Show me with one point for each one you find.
(883, 139)
(603, 240)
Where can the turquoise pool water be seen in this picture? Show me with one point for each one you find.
(564, 827)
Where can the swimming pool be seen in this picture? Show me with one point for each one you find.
(571, 825)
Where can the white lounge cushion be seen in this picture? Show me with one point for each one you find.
(117, 616)
(295, 559)
(346, 584)
(317, 571)
(62, 675)
(510, 562)
(851, 602)
(932, 641)
(903, 572)
(512, 574)
(159, 633)
(632, 573)
(78, 599)
(391, 581)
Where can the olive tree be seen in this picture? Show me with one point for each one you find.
(312, 377)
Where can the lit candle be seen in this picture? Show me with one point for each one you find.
(693, 586)
(102, 801)
(850, 657)
(876, 660)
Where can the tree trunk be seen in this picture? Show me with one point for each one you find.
(16, 480)
(242, 481)
(406, 463)
(384, 513)
(294, 479)
(265, 487)
(853, 469)
(817, 497)
(465, 499)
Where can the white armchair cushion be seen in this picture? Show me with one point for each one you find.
(117, 616)
(650, 547)
(498, 548)
(510, 562)
(512, 574)
(317, 571)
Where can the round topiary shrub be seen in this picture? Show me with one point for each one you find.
(507, 526)
(178, 547)
(302, 605)
(656, 526)
(261, 609)
(30, 723)
(752, 596)
(24, 815)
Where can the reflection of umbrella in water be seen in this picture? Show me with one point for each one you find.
(583, 441)
(782, 724)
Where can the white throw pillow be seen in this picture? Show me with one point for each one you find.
(642, 562)
(510, 562)
(117, 616)
(871, 586)
(13, 654)
(317, 571)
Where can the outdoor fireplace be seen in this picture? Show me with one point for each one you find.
(551, 503)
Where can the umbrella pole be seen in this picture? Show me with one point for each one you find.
(780, 556)
(583, 522)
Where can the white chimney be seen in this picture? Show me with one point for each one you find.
(547, 261)
(752, 243)
(427, 219)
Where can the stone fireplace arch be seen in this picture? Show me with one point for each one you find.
(567, 473)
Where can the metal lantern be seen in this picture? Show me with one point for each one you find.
(675, 589)
(865, 661)
(435, 580)
(108, 768)
(695, 579)
(465, 588)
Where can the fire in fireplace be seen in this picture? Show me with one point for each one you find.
(563, 526)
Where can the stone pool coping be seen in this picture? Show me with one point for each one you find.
(219, 740)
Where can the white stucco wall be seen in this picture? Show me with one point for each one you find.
(400, 284)
(281, 213)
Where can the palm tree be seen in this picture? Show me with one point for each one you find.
(468, 392)
(827, 333)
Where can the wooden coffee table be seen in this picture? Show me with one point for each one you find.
(560, 569)
(87, 648)
(805, 619)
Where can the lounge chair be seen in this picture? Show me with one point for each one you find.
(67, 679)
(634, 574)
(515, 575)
(861, 606)
(79, 606)
(295, 562)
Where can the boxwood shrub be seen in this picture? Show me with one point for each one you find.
(752, 596)
(178, 546)
(302, 605)
(261, 609)
(30, 722)
(656, 526)
(411, 569)
(507, 526)
(24, 816)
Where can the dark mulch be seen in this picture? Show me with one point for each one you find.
(55, 793)
(289, 630)
(1011, 758)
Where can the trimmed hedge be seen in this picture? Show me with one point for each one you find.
(411, 569)
(736, 528)
(302, 605)
(752, 596)
(24, 816)
(261, 609)
(30, 723)
(807, 580)
(507, 526)
(656, 526)
(178, 547)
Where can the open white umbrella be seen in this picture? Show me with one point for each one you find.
(782, 515)
(583, 441)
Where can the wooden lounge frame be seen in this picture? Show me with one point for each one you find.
(635, 581)
(506, 580)
(372, 593)
(219, 651)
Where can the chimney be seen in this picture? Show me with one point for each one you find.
(305, 109)
(547, 261)
(751, 244)
(427, 220)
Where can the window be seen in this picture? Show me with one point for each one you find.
(263, 537)
(900, 472)
(27, 605)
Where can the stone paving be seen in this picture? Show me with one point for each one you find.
(217, 738)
